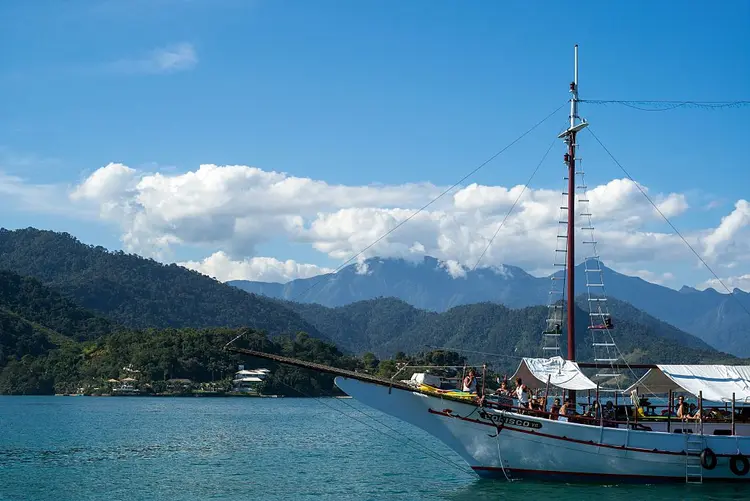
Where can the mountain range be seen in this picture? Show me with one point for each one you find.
(66, 302)
(386, 326)
(49, 344)
(721, 320)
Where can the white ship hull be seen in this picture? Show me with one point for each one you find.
(502, 443)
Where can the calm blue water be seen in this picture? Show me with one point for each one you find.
(159, 449)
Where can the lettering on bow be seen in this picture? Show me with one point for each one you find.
(499, 419)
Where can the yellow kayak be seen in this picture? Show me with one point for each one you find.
(463, 395)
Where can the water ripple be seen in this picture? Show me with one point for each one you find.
(84, 449)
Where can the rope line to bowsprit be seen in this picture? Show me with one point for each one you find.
(345, 373)
(319, 280)
(367, 378)
(406, 440)
(674, 228)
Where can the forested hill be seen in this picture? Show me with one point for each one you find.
(138, 292)
(35, 319)
(31, 300)
(386, 326)
(49, 344)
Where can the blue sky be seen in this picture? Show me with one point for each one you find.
(364, 92)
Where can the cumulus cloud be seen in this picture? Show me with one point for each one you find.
(262, 269)
(731, 236)
(169, 59)
(234, 208)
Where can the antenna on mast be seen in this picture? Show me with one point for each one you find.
(574, 90)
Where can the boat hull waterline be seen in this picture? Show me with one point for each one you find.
(500, 444)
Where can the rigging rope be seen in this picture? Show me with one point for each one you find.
(677, 232)
(515, 202)
(643, 192)
(498, 355)
(669, 105)
(428, 204)
(408, 442)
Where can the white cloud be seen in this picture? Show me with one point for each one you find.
(454, 268)
(740, 282)
(112, 182)
(17, 193)
(263, 269)
(169, 59)
(234, 208)
(731, 236)
(673, 205)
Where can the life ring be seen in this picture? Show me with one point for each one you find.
(708, 459)
(739, 465)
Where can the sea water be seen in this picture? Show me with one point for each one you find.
(159, 449)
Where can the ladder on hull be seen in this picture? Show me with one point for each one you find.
(693, 468)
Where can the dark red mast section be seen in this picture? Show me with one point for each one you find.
(576, 124)
(570, 254)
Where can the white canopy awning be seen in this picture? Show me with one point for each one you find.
(716, 382)
(561, 373)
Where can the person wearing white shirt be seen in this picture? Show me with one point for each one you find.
(522, 393)
(470, 382)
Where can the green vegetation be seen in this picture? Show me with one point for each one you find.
(386, 325)
(171, 324)
(163, 355)
(168, 354)
(49, 344)
(137, 292)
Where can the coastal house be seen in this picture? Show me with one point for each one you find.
(249, 381)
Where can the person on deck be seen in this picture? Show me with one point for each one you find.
(555, 410)
(504, 395)
(470, 382)
(682, 411)
(567, 410)
(695, 413)
(595, 411)
(522, 394)
(503, 391)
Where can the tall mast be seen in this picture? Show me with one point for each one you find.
(570, 159)
(570, 268)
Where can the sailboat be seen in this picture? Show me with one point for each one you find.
(498, 440)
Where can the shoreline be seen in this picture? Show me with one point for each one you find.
(177, 395)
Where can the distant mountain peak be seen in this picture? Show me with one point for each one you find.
(453, 268)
